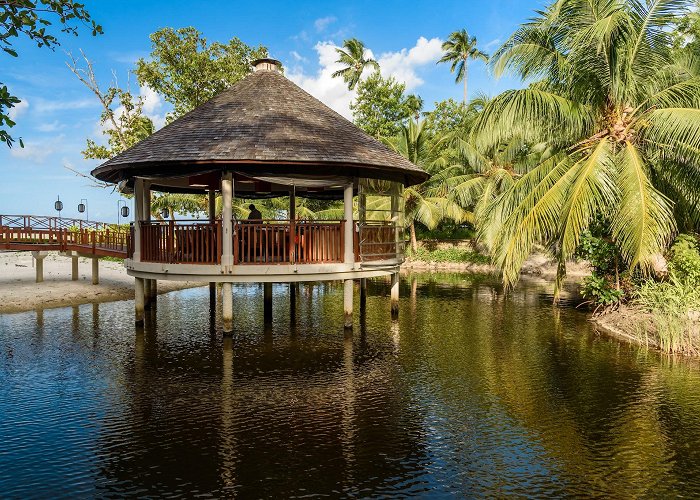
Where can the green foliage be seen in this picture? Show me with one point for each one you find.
(32, 19)
(132, 125)
(186, 71)
(381, 106)
(459, 49)
(601, 290)
(446, 230)
(621, 116)
(685, 260)
(456, 255)
(599, 252)
(352, 55)
(674, 306)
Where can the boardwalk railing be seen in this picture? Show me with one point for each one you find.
(51, 223)
(53, 235)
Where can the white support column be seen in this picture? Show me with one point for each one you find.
(395, 220)
(362, 213)
(349, 225)
(146, 214)
(39, 265)
(139, 297)
(95, 271)
(227, 249)
(74, 274)
(394, 295)
(349, 255)
(227, 222)
(138, 217)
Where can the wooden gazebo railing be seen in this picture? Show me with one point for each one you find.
(265, 242)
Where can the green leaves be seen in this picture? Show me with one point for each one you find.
(24, 17)
(187, 71)
(352, 55)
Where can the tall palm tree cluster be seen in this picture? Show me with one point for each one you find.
(606, 128)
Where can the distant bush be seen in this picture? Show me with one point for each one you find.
(457, 255)
(684, 260)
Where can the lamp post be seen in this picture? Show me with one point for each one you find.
(83, 207)
(165, 213)
(122, 210)
(58, 205)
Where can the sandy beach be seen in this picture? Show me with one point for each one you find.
(19, 292)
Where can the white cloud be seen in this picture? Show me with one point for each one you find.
(323, 22)
(331, 91)
(18, 109)
(38, 152)
(45, 106)
(297, 57)
(152, 106)
(51, 127)
(402, 65)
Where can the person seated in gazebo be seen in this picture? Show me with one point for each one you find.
(255, 214)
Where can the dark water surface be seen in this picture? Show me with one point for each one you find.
(469, 393)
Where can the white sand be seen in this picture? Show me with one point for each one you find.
(20, 292)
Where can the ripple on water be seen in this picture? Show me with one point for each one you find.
(471, 392)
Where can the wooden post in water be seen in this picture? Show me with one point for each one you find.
(349, 255)
(139, 300)
(212, 219)
(139, 296)
(267, 302)
(146, 215)
(394, 295)
(227, 250)
(74, 274)
(95, 271)
(397, 250)
(362, 212)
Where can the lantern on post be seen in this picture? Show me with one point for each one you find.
(83, 208)
(58, 205)
(122, 210)
(165, 213)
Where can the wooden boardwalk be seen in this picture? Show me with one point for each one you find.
(44, 233)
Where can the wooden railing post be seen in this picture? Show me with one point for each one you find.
(171, 241)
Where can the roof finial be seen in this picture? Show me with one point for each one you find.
(267, 64)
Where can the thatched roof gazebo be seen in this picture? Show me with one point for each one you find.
(264, 137)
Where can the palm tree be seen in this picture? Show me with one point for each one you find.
(353, 57)
(483, 174)
(426, 203)
(622, 118)
(459, 48)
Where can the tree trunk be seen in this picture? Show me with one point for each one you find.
(466, 77)
(414, 241)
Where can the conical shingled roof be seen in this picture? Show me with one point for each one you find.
(262, 125)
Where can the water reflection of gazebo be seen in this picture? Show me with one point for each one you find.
(265, 137)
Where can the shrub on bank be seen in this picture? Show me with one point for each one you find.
(674, 303)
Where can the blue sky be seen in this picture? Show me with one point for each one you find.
(58, 113)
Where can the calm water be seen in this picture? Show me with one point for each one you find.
(469, 393)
